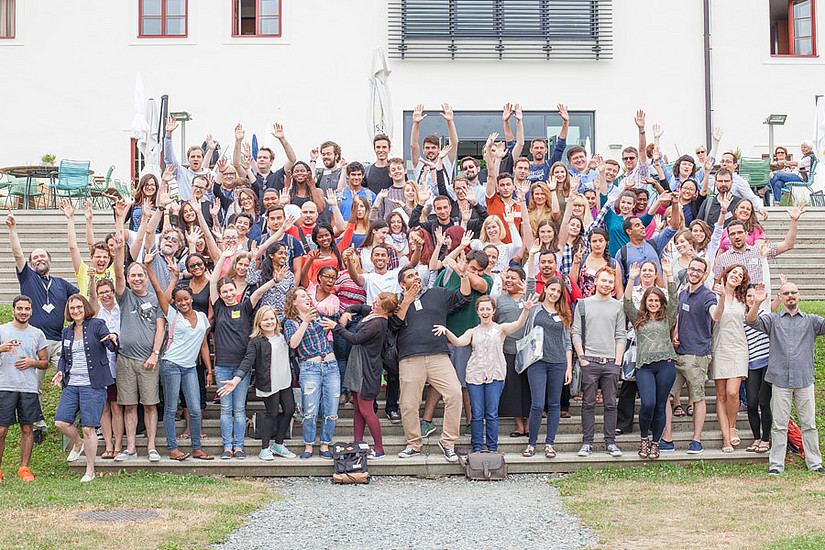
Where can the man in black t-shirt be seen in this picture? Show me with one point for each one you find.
(377, 175)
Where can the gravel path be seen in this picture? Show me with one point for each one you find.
(403, 512)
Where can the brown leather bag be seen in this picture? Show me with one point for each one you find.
(484, 465)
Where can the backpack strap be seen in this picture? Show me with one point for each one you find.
(172, 329)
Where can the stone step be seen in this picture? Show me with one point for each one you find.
(564, 442)
(431, 463)
(212, 427)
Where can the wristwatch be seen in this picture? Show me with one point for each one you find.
(156, 352)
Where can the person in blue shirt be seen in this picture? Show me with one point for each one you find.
(540, 168)
(355, 177)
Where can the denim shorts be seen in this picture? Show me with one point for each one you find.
(88, 400)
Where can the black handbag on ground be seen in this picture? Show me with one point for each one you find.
(349, 461)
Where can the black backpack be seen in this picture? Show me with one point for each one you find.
(349, 461)
(389, 352)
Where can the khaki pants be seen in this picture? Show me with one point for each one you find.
(781, 401)
(439, 372)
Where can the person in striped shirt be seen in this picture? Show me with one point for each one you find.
(757, 389)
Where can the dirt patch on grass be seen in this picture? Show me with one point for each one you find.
(713, 512)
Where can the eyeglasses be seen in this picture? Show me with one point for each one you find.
(199, 188)
(701, 152)
(170, 238)
(328, 277)
(790, 292)
(628, 158)
(696, 270)
(193, 265)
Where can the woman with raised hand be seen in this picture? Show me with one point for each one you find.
(548, 375)
(757, 390)
(591, 262)
(232, 320)
(267, 353)
(655, 368)
(492, 232)
(729, 348)
(238, 268)
(274, 266)
(83, 373)
(486, 368)
(365, 364)
(187, 341)
(319, 376)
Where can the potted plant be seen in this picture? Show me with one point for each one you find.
(48, 159)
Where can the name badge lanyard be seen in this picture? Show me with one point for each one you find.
(47, 307)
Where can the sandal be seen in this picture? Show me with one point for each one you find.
(182, 436)
(200, 454)
(754, 447)
(549, 451)
(108, 454)
(690, 410)
(727, 447)
(178, 455)
(644, 448)
(599, 398)
(764, 447)
(678, 411)
(735, 440)
(529, 451)
(653, 454)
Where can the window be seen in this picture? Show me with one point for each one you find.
(793, 27)
(474, 127)
(137, 163)
(163, 17)
(7, 22)
(256, 17)
(502, 29)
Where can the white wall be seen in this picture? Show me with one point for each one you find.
(69, 75)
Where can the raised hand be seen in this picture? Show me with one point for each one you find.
(211, 144)
(530, 302)
(565, 116)
(168, 174)
(760, 294)
(500, 150)
(424, 194)
(193, 236)
(466, 213)
(87, 211)
(708, 165)
(577, 257)
(283, 197)
(240, 133)
(313, 153)
(798, 209)
(466, 239)
(725, 199)
(633, 272)
(229, 251)
(67, 208)
(11, 221)
(439, 236)
(289, 222)
(765, 249)
(666, 270)
(782, 279)
(172, 264)
(278, 131)
(149, 256)
(332, 199)
(447, 112)
(518, 114)
(657, 131)
(222, 164)
(445, 150)
(506, 112)
(418, 114)
(171, 124)
(717, 134)
(215, 208)
(639, 119)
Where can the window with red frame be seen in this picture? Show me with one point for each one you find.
(256, 17)
(7, 22)
(138, 161)
(793, 27)
(163, 17)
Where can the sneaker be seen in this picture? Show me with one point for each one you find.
(1, 477)
(694, 448)
(773, 472)
(87, 478)
(408, 452)
(449, 454)
(819, 470)
(26, 475)
(239, 454)
(99, 433)
(125, 455)
(281, 450)
(743, 407)
(427, 428)
(376, 455)
(154, 456)
(325, 454)
(266, 454)
(614, 450)
(74, 455)
(585, 450)
(666, 446)
(226, 454)
(394, 417)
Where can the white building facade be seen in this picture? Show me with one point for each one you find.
(69, 69)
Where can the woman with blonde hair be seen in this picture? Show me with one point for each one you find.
(267, 353)
(492, 232)
(544, 204)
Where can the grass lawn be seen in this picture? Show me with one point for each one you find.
(194, 511)
(704, 505)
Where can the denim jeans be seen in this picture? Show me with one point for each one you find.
(484, 404)
(233, 404)
(654, 381)
(546, 382)
(779, 180)
(175, 378)
(320, 386)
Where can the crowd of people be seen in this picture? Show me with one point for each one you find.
(506, 285)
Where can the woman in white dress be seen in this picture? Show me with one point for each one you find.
(730, 350)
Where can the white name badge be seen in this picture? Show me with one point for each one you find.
(556, 318)
(67, 343)
(520, 305)
(685, 307)
(418, 306)
(48, 308)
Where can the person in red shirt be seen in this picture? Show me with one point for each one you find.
(500, 187)
(547, 270)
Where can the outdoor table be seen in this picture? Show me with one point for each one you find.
(31, 173)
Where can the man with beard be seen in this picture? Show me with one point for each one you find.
(327, 178)
(48, 295)
(198, 163)
(23, 353)
(431, 147)
(169, 243)
(261, 168)
(540, 168)
(739, 186)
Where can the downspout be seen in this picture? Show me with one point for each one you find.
(708, 100)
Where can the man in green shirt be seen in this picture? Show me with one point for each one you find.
(458, 323)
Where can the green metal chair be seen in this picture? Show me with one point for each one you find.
(757, 172)
(17, 189)
(801, 190)
(72, 182)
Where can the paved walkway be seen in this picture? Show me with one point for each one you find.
(401, 512)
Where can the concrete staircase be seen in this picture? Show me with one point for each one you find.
(805, 264)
